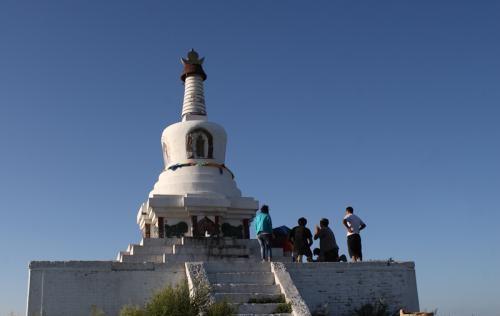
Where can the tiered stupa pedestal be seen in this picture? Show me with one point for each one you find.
(196, 194)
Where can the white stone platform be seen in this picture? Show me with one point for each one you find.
(234, 273)
(75, 288)
(339, 287)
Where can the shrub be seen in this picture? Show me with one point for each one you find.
(220, 309)
(172, 302)
(95, 311)
(377, 309)
(129, 310)
(283, 308)
(176, 301)
(264, 300)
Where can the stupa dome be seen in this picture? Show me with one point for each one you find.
(195, 142)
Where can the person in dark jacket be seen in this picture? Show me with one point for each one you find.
(329, 250)
(301, 238)
(264, 231)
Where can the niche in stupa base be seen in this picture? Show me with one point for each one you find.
(205, 226)
(199, 144)
(216, 226)
(235, 231)
(176, 230)
(171, 227)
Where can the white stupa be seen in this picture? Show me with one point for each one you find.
(195, 194)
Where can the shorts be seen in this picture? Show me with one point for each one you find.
(303, 252)
(331, 255)
(354, 246)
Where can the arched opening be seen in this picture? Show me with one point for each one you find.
(199, 144)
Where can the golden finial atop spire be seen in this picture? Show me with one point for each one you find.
(193, 66)
(192, 58)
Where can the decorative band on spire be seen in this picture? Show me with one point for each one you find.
(193, 66)
(193, 107)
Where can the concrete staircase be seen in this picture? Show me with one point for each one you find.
(233, 267)
(187, 249)
(250, 288)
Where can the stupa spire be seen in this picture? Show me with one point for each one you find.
(193, 107)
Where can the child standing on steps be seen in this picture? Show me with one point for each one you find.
(264, 230)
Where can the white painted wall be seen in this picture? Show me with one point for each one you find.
(174, 137)
(73, 287)
(342, 287)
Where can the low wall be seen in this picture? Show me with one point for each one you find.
(77, 288)
(339, 288)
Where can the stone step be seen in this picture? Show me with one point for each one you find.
(130, 246)
(143, 258)
(281, 314)
(121, 254)
(210, 246)
(245, 288)
(256, 266)
(251, 243)
(278, 254)
(151, 250)
(253, 309)
(244, 297)
(242, 277)
(207, 241)
(311, 267)
(160, 241)
(183, 250)
(207, 258)
(223, 241)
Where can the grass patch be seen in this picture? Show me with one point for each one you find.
(129, 310)
(176, 301)
(377, 309)
(265, 300)
(283, 308)
(220, 309)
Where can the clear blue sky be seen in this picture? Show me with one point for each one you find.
(389, 106)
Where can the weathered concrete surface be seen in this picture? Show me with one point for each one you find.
(292, 295)
(338, 288)
(78, 287)
(198, 282)
(239, 284)
(75, 288)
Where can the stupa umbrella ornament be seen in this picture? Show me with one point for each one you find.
(193, 76)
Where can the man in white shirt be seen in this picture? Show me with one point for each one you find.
(354, 225)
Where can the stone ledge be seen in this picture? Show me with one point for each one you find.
(198, 280)
(103, 266)
(288, 288)
(403, 265)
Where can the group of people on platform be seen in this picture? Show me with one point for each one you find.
(300, 238)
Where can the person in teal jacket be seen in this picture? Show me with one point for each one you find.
(264, 230)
